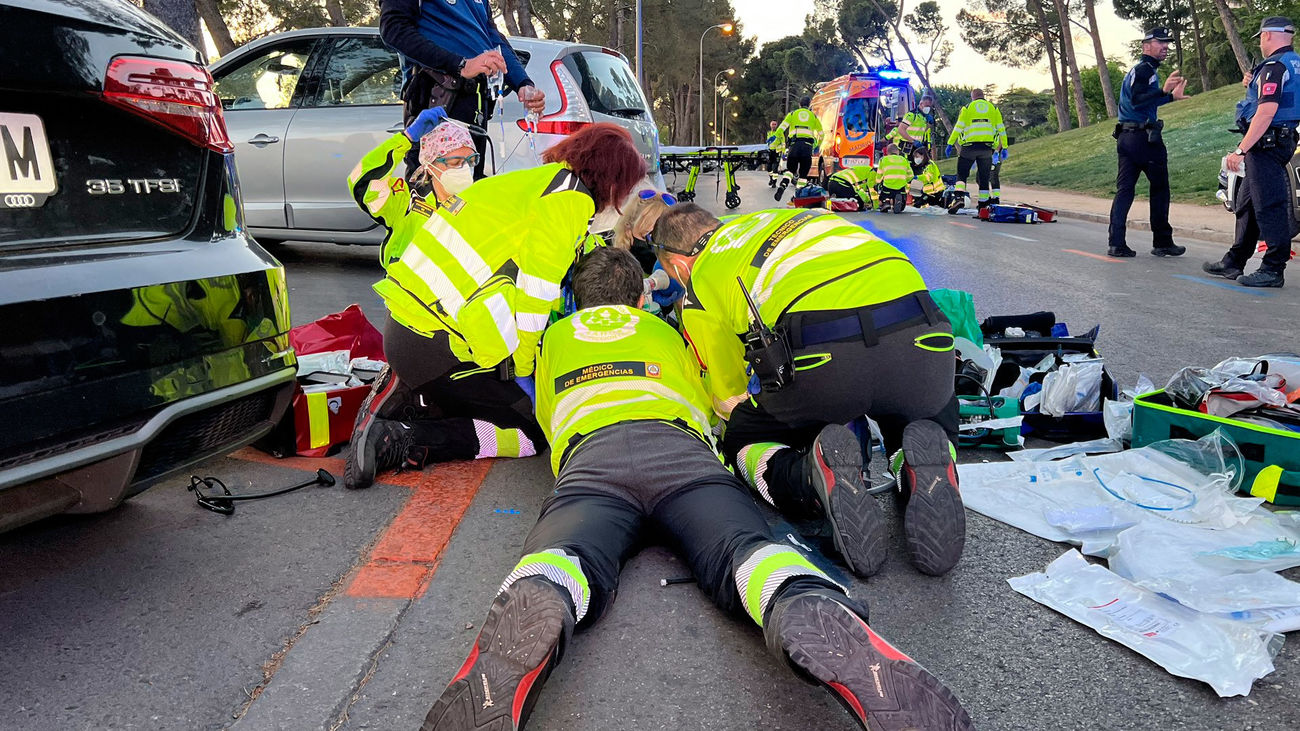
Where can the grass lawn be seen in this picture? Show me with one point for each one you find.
(1083, 160)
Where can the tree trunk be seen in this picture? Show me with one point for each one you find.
(524, 10)
(1058, 87)
(612, 19)
(895, 23)
(1067, 50)
(508, 13)
(1112, 109)
(1234, 37)
(179, 15)
(216, 25)
(1201, 64)
(335, 10)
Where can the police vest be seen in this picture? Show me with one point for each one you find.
(1127, 112)
(1288, 107)
(606, 365)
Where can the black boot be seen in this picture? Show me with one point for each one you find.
(826, 642)
(1261, 278)
(833, 468)
(1168, 250)
(1221, 269)
(780, 189)
(934, 518)
(522, 640)
(1120, 252)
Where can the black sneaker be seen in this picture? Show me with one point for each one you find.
(834, 468)
(382, 447)
(1120, 252)
(1261, 278)
(1171, 250)
(780, 189)
(884, 689)
(934, 519)
(520, 643)
(1221, 269)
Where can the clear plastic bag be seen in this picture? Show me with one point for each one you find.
(1072, 388)
(1229, 656)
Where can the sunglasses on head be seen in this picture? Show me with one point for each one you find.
(668, 198)
(455, 161)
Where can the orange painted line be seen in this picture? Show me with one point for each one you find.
(407, 554)
(963, 225)
(1091, 255)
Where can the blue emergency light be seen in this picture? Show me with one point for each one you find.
(891, 74)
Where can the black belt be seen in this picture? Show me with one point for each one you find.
(576, 440)
(869, 322)
(1139, 126)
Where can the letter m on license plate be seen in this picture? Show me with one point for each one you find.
(26, 168)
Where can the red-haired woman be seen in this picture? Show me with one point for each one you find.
(469, 296)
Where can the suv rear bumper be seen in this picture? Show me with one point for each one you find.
(101, 475)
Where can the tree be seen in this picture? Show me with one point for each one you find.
(786, 69)
(1234, 37)
(1071, 62)
(1093, 94)
(926, 22)
(1017, 33)
(1108, 91)
(894, 17)
(179, 15)
(210, 12)
(1023, 110)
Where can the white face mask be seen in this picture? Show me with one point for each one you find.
(454, 180)
(925, 109)
(918, 160)
(604, 221)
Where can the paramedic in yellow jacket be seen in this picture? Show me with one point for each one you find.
(928, 175)
(469, 294)
(980, 134)
(855, 183)
(802, 132)
(866, 338)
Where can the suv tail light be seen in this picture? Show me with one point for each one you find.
(574, 113)
(174, 94)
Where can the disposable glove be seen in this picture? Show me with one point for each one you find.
(528, 385)
(949, 150)
(425, 122)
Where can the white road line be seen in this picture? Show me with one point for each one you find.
(1013, 236)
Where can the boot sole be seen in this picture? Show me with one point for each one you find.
(857, 525)
(496, 687)
(356, 476)
(883, 688)
(934, 521)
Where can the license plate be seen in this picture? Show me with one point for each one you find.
(26, 167)
(852, 162)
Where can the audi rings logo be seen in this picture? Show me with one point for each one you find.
(20, 200)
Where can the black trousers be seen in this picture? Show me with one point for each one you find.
(840, 189)
(773, 162)
(1138, 155)
(895, 382)
(1264, 208)
(798, 158)
(471, 106)
(980, 156)
(441, 398)
(638, 483)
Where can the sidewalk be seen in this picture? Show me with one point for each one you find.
(1206, 223)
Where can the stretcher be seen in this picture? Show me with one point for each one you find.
(724, 160)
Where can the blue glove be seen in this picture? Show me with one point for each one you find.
(949, 150)
(666, 297)
(529, 387)
(425, 122)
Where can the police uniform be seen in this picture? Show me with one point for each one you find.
(1263, 207)
(469, 287)
(621, 399)
(865, 335)
(979, 132)
(802, 132)
(1141, 149)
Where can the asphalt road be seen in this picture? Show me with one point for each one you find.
(329, 609)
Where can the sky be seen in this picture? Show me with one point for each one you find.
(769, 20)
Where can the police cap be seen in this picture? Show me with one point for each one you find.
(1276, 24)
(1159, 33)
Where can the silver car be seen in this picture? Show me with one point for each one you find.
(304, 106)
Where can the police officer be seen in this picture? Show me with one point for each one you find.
(1141, 148)
(979, 133)
(620, 396)
(450, 49)
(802, 132)
(861, 336)
(775, 145)
(1272, 110)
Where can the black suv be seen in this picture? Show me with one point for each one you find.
(141, 330)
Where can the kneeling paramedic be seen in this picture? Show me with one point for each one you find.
(621, 399)
(855, 183)
(847, 329)
(470, 286)
(931, 179)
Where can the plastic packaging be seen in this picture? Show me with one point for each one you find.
(1229, 656)
(1072, 388)
(330, 361)
(1095, 446)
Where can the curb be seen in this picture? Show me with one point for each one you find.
(1200, 234)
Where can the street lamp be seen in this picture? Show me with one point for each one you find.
(726, 29)
(728, 72)
(734, 115)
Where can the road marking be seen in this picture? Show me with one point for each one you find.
(1091, 255)
(963, 225)
(1013, 236)
(402, 563)
(1223, 284)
